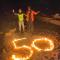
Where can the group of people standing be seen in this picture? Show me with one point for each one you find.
(30, 15)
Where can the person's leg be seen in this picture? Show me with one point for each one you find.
(20, 26)
(31, 26)
(23, 26)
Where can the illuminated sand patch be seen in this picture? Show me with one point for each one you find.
(51, 44)
(17, 40)
(24, 55)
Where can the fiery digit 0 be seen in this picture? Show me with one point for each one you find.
(51, 44)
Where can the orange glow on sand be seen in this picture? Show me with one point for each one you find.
(14, 57)
(15, 40)
(29, 48)
(24, 58)
(51, 44)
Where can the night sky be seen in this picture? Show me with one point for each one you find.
(52, 5)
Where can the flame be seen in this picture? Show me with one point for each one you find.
(26, 47)
(15, 40)
(14, 57)
(43, 39)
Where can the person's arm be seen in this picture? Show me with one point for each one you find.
(14, 12)
(36, 12)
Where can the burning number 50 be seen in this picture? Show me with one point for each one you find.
(51, 47)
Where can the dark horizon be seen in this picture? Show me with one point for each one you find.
(52, 5)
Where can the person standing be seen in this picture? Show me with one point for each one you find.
(20, 15)
(30, 17)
